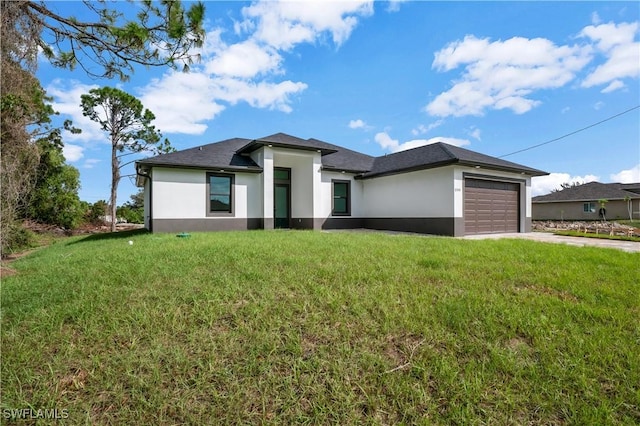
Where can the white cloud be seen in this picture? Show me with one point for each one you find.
(66, 100)
(244, 60)
(422, 129)
(475, 133)
(501, 74)
(614, 85)
(565, 110)
(181, 102)
(72, 153)
(90, 162)
(611, 35)
(595, 18)
(394, 5)
(542, 185)
(387, 142)
(357, 124)
(631, 175)
(617, 43)
(257, 94)
(282, 25)
(212, 43)
(598, 105)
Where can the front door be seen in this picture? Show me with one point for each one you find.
(281, 205)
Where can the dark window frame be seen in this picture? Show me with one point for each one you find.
(589, 207)
(232, 184)
(288, 184)
(333, 197)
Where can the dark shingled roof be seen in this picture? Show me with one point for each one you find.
(283, 140)
(345, 159)
(633, 187)
(591, 191)
(211, 156)
(233, 154)
(441, 154)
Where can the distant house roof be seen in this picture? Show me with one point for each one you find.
(592, 191)
(233, 155)
(633, 187)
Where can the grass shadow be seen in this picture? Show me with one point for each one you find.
(112, 235)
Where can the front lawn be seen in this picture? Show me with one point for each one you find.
(282, 327)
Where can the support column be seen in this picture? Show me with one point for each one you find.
(316, 180)
(267, 187)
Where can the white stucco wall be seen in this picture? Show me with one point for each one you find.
(248, 189)
(325, 193)
(423, 193)
(303, 174)
(318, 196)
(182, 194)
(266, 182)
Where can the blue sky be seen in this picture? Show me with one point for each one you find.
(378, 77)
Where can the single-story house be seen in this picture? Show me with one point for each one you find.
(282, 181)
(582, 202)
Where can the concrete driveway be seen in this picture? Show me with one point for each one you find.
(546, 237)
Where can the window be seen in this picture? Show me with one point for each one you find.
(219, 193)
(281, 174)
(341, 198)
(589, 207)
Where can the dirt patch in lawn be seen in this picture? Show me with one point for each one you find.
(7, 272)
(560, 294)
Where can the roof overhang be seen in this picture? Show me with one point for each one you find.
(342, 170)
(457, 162)
(242, 169)
(518, 170)
(257, 144)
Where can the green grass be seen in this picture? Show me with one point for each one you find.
(603, 236)
(322, 328)
(634, 223)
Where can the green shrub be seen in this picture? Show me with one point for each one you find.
(17, 238)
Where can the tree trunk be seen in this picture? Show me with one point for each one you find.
(115, 179)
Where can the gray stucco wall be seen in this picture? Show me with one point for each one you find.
(574, 210)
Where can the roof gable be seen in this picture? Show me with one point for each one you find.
(441, 154)
(214, 155)
(591, 191)
(282, 140)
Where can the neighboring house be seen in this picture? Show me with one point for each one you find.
(281, 181)
(582, 202)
